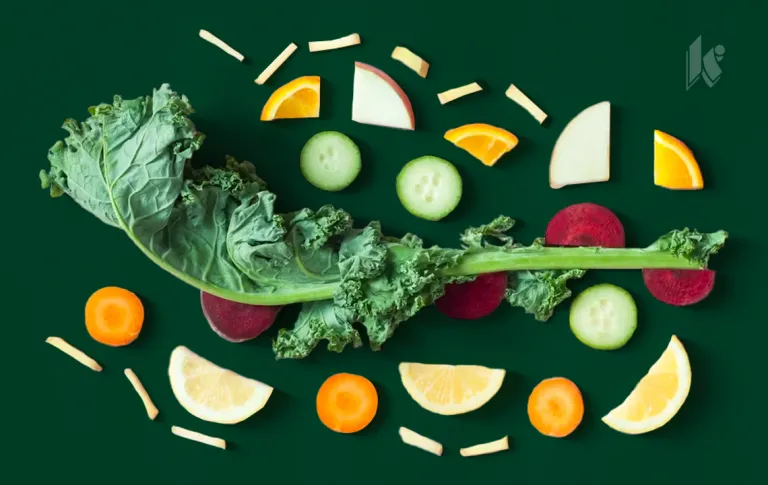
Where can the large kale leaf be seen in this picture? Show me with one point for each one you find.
(214, 228)
(219, 230)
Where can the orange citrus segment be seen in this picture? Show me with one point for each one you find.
(674, 166)
(299, 98)
(485, 142)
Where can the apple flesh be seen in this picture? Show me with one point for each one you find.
(378, 100)
(582, 151)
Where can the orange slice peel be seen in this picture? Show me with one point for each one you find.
(674, 165)
(299, 98)
(485, 142)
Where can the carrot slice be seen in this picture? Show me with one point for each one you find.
(347, 403)
(114, 316)
(556, 407)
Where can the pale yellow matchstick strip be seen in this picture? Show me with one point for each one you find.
(415, 439)
(326, 45)
(76, 354)
(205, 35)
(139, 388)
(460, 92)
(518, 97)
(275, 65)
(486, 448)
(411, 60)
(199, 437)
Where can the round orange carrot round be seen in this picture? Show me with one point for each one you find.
(556, 407)
(114, 316)
(347, 403)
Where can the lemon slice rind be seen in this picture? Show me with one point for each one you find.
(231, 415)
(614, 420)
(496, 378)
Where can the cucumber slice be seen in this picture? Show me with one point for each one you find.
(330, 161)
(604, 317)
(429, 187)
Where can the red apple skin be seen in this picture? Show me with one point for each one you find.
(394, 85)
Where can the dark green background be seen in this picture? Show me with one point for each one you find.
(67, 422)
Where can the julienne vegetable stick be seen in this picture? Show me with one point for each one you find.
(317, 257)
(199, 437)
(518, 97)
(411, 60)
(415, 439)
(486, 448)
(152, 411)
(275, 64)
(341, 42)
(460, 92)
(73, 352)
(207, 36)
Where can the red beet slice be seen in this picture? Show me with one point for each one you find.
(237, 322)
(473, 299)
(679, 287)
(585, 224)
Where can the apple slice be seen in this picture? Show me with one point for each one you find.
(378, 100)
(582, 151)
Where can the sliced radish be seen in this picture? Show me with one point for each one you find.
(679, 287)
(474, 299)
(585, 224)
(237, 322)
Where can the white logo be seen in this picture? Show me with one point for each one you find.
(705, 67)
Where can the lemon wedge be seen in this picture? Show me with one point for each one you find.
(450, 389)
(658, 396)
(212, 393)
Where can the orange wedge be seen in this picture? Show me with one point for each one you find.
(485, 142)
(299, 98)
(674, 166)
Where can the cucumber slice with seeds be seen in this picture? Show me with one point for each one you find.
(330, 161)
(429, 187)
(604, 317)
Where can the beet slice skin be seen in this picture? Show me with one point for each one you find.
(585, 224)
(237, 322)
(474, 299)
(679, 287)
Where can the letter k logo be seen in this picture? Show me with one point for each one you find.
(705, 67)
